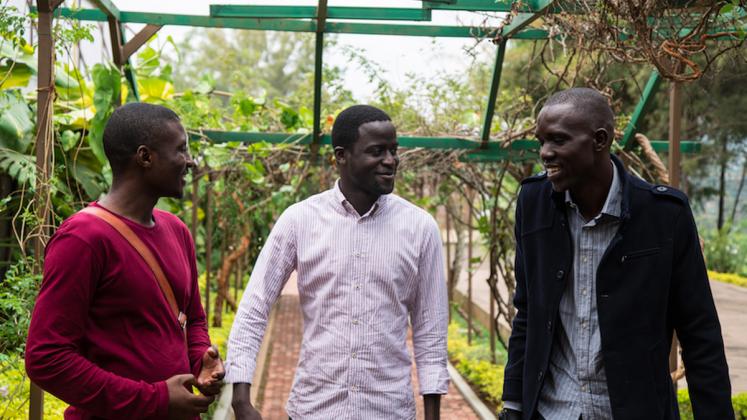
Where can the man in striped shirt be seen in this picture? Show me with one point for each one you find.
(367, 262)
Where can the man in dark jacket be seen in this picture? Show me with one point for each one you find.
(607, 268)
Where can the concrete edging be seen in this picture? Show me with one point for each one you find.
(224, 411)
(482, 410)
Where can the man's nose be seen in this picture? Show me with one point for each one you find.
(546, 152)
(390, 159)
(191, 163)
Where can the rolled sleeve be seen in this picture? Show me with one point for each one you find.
(429, 316)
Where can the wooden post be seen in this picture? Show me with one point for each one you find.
(239, 277)
(469, 272)
(195, 202)
(44, 150)
(675, 135)
(208, 239)
(448, 259)
(492, 330)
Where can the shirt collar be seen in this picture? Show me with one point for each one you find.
(613, 203)
(345, 205)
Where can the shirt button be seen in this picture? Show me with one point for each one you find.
(357, 286)
(559, 274)
(354, 355)
(549, 325)
(583, 388)
(355, 322)
(586, 259)
(583, 292)
(357, 254)
(539, 377)
(354, 388)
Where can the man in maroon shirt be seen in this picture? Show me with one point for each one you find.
(103, 337)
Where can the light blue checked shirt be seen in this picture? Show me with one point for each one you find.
(576, 384)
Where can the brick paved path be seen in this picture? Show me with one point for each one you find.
(286, 344)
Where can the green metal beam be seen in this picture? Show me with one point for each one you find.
(522, 20)
(444, 143)
(473, 5)
(107, 7)
(493, 92)
(640, 109)
(309, 12)
(294, 25)
(287, 25)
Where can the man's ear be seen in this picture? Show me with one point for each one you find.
(602, 140)
(144, 156)
(340, 155)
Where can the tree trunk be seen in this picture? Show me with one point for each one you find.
(456, 263)
(223, 278)
(739, 194)
(722, 185)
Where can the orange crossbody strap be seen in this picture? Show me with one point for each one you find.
(148, 257)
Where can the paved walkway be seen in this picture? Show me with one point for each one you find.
(731, 304)
(286, 345)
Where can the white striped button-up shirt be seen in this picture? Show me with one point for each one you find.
(360, 279)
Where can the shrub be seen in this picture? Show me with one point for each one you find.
(730, 278)
(739, 402)
(17, 294)
(723, 250)
(474, 364)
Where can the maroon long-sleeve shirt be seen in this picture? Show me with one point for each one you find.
(103, 337)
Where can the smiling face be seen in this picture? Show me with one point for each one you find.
(370, 163)
(572, 147)
(169, 161)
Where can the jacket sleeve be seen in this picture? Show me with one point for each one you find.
(697, 325)
(513, 375)
(58, 323)
(198, 339)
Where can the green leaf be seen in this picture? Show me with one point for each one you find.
(90, 180)
(15, 75)
(107, 88)
(68, 140)
(19, 166)
(728, 8)
(16, 123)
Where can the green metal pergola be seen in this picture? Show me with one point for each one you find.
(320, 20)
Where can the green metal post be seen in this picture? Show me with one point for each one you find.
(493, 93)
(318, 56)
(640, 110)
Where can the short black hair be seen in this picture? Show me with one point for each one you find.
(130, 126)
(589, 101)
(345, 128)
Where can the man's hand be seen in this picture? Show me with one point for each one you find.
(182, 403)
(210, 379)
(242, 404)
(432, 405)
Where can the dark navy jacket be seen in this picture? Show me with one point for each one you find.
(651, 280)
